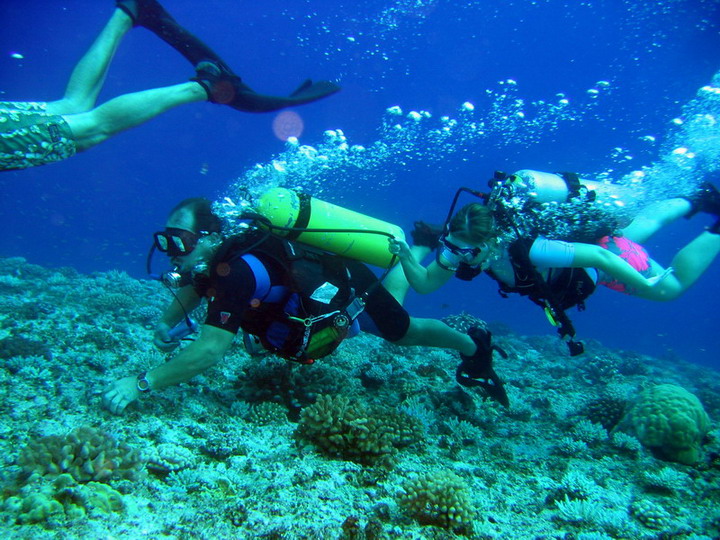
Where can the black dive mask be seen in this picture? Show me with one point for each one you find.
(176, 242)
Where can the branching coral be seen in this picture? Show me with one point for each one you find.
(652, 515)
(441, 499)
(166, 458)
(43, 501)
(85, 453)
(606, 410)
(288, 384)
(346, 429)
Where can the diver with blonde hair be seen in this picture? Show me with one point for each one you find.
(558, 273)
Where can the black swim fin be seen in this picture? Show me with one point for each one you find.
(224, 87)
(706, 199)
(491, 385)
(477, 370)
(250, 101)
(151, 15)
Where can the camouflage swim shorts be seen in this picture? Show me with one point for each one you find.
(29, 136)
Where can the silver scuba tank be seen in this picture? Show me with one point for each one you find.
(544, 187)
(541, 187)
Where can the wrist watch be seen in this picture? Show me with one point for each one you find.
(142, 383)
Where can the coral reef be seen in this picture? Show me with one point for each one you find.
(344, 428)
(262, 448)
(86, 454)
(62, 498)
(670, 420)
(440, 499)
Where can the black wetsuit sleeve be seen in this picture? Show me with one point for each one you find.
(229, 293)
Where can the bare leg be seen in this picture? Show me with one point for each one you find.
(689, 264)
(434, 333)
(396, 283)
(89, 74)
(129, 110)
(655, 217)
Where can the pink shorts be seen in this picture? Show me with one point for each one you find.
(633, 253)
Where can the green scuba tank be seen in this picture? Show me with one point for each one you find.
(287, 208)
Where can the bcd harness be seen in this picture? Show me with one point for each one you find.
(311, 312)
(563, 289)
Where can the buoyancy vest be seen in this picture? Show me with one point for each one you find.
(563, 288)
(569, 287)
(311, 312)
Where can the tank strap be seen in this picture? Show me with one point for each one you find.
(264, 291)
(303, 218)
(575, 188)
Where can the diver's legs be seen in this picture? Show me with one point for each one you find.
(435, 333)
(129, 110)
(655, 217)
(395, 282)
(688, 265)
(88, 75)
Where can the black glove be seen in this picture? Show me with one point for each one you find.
(477, 370)
(426, 235)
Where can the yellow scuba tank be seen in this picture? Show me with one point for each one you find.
(287, 208)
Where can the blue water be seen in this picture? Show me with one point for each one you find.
(97, 211)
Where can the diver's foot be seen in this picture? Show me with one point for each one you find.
(220, 84)
(130, 7)
(147, 13)
(426, 235)
(477, 364)
(706, 200)
(477, 371)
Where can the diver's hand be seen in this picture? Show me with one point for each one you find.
(399, 247)
(162, 339)
(655, 280)
(120, 394)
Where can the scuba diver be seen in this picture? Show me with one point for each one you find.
(37, 133)
(296, 301)
(556, 264)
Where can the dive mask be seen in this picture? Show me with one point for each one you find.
(176, 242)
(464, 254)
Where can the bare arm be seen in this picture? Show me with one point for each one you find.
(202, 354)
(422, 279)
(590, 255)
